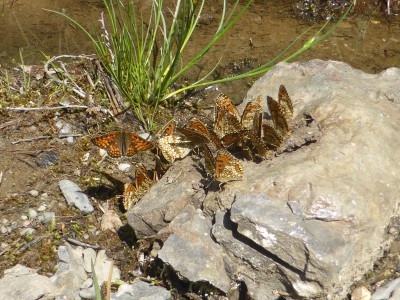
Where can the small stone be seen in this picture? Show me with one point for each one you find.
(42, 208)
(5, 221)
(361, 293)
(44, 196)
(88, 293)
(32, 213)
(70, 140)
(3, 229)
(26, 231)
(47, 159)
(33, 193)
(124, 167)
(89, 256)
(4, 245)
(87, 284)
(86, 236)
(26, 223)
(74, 195)
(24, 217)
(47, 217)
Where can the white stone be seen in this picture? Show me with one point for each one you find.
(124, 167)
(32, 213)
(89, 256)
(42, 208)
(33, 193)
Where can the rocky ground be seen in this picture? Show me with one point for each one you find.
(45, 140)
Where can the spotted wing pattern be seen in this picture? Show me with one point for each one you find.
(226, 123)
(227, 167)
(133, 193)
(270, 136)
(121, 143)
(224, 102)
(278, 118)
(174, 147)
(196, 131)
(252, 109)
(285, 102)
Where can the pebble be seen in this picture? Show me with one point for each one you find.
(13, 226)
(87, 283)
(47, 159)
(124, 167)
(24, 217)
(385, 292)
(5, 221)
(32, 213)
(47, 217)
(44, 196)
(74, 196)
(26, 231)
(42, 208)
(33, 193)
(26, 223)
(89, 256)
(4, 245)
(361, 293)
(3, 229)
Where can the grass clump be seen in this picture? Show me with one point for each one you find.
(145, 58)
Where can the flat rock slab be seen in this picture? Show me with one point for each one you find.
(21, 282)
(313, 219)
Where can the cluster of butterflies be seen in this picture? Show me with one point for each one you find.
(230, 136)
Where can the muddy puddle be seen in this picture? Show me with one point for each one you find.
(367, 42)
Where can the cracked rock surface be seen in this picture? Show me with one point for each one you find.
(308, 222)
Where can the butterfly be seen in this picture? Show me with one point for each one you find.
(251, 112)
(270, 136)
(196, 131)
(227, 167)
(285, 102)
(133, 193)
(169, 129)
(224, 102)
(121, 143)
(278, 117)
(174, 147)
(226, 123)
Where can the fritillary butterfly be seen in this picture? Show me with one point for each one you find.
(121, 143)
(285, 102)
(250, 112)
(224, 102)
(174, 147)
(133, 193)
(227, 167)
(278, 117)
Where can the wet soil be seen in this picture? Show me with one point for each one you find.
(33, 157)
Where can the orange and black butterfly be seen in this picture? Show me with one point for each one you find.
(196, 131)
(121, 143)
(251, 112)
(227, 167)
(224, 102)
(285, 103)
(270, 136)
(278, 117)
(226, 123)
(133, 193)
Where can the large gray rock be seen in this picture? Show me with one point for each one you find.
(191, 251)
(21, 282)
(313, 219)
(165, 199)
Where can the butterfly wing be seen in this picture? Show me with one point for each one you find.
(227, 167)
(111, 142)
(174, 147)
(285, 102)
(270, 136)
(277, 116)
(133, 143)
(252, 109)
(129, 196)
(222, 102)
(169, 129)
(209, 163)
